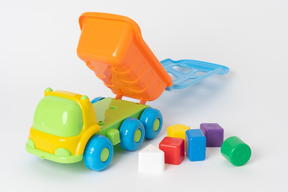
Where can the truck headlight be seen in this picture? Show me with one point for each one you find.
(30, 144)
(62, 152)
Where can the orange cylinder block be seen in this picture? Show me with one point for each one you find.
(112, 46)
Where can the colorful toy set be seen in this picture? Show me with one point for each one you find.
(68, 127)
(196, 141)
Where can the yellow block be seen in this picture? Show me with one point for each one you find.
(177, 131)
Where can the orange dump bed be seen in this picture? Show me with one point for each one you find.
(112, 46)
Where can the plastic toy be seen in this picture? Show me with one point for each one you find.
(112, 46)
(173, 149)
(236, 151)
(214, 134)
(195, 145)
(67, 127)
(177, 131)
(151, 159)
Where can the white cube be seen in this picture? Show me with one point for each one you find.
(151, 159)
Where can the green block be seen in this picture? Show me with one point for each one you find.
(236, 151)
(113, 135)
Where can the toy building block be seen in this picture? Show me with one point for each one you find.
(177, 131)
(214, 134)
(196, 145)
(151, 159)
(236, 151)
(173, 149)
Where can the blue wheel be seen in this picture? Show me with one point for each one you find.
(132, 134)
(97, 99)
(98, 153)
(152, 120)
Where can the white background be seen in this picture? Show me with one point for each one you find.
(38, 43)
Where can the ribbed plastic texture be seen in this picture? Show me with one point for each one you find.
(188, 72)
(112, 46)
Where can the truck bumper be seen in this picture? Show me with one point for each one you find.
(30, 148)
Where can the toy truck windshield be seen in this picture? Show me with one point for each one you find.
(58, 116)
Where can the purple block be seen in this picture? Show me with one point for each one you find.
(214, 134)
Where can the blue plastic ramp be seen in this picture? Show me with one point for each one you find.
(188, 72)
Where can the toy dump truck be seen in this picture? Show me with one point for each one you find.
(68, 127)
